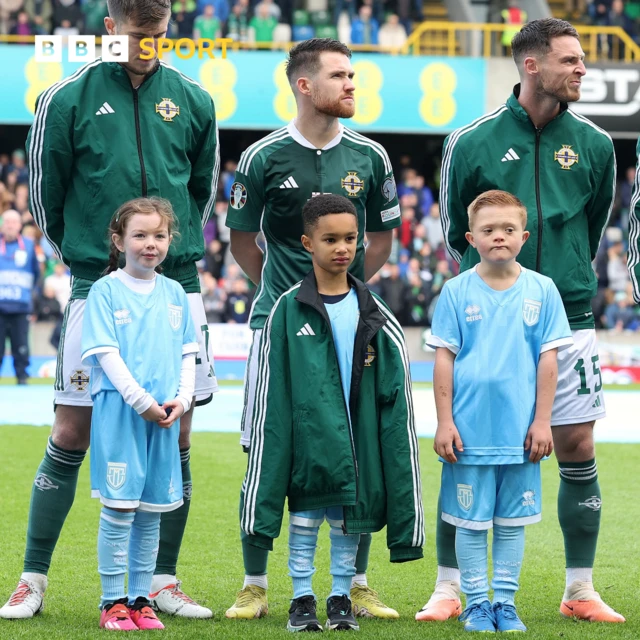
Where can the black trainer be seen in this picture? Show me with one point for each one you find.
(340, 615)
(302, 615)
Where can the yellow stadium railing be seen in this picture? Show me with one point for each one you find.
(485, 40)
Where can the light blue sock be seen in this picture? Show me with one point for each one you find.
(508, 551)
(344, 549)
(143, 551)
(113, 542)
(302, 550)
(471, 551)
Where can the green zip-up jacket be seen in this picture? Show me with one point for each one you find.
(97, 142)
(302, 445)
(634, 232)
(563, 173)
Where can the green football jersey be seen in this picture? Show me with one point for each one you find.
(277, 175)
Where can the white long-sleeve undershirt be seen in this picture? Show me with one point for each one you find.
(118, 373)
(133, 394)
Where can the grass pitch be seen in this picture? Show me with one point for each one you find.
(211, 561)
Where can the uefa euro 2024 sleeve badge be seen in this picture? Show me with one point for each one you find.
(566, 157)
(167, 110)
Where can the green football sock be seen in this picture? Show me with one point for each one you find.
(255, 559)
(52, 495)
(362, 557)
(445, 541)
(173, 524)
(579, 504)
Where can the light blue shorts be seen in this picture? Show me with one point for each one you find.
(477, 497)
(135, 464)
(313, 518)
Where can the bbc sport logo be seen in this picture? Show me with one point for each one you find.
(116, 48)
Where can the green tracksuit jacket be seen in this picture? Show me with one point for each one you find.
(96, 142)
(564, 174)
(302, 445)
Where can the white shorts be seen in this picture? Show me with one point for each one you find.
(71, 385)
(250, 384)
(579, 396)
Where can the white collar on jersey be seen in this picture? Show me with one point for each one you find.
(301, 140)
(135, 284)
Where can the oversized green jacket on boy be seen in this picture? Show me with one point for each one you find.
(303, 447)
(565, 174)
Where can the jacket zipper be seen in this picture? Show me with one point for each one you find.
(139, 141)
(538, 202)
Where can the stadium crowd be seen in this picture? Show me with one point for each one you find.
(410, 282)
(367, 22)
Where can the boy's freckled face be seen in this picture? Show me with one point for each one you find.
(498, 234)
(333, 241)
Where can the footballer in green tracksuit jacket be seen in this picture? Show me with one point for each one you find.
(97, 142)
(302, 446)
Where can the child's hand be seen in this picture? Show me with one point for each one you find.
(447, 437)
(154, 413)
(539, 440)
(172, 410)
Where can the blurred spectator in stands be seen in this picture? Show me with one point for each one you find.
(183, 15)
(65, 30)
(273, 9)
(625, 189)
(47, 308)
(21, 202)
(344, 5)
(392, 34)
(67, 10)
(6, 198)
(514, 17)
(221, 8)
(622, 313)
(214, 299)
(263, 24)
(419, 240)
(29, 230)
(374, 283)
(40, 13)
(229, 170)
(433, 225)
(618, 18)
(215, 258)
(18, 169)
(393, 290)
(237, 29)
(364, 28)
(94, 12)
(417, 301)
(238, 303)
(443, 274)
(23, 27)
(19, 275)
(425, 196)
(617, 272)
(207, 25)
(407, 227)
(599, 12)
(4, 165)
(60, 283)
(8, 10)
(576, 9)
(408, 181)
